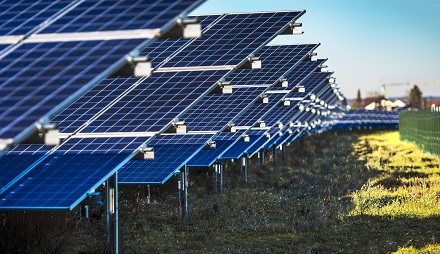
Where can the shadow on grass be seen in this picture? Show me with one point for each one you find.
(377, 234)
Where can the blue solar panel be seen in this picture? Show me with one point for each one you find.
(284, 137)
(65, 176)
(173, 139)
(257, 146)
(276, 61)
(276, 114)
(257, 110)
(21, 17)
(229, 135)
(17, 160)
(274, 136)
(300, 72)
(374, 119)
(171, 153)
(232, 39)
(161, 49)
(149, 106)
(112, 15)
(168, 159)
(206, 158)
(36, 77)
(215, 111)
(241, 147)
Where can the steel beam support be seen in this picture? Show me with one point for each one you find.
(111, 189)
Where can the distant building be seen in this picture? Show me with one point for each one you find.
(382, 104)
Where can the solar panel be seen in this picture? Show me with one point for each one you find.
(276, 61)
(232, 39)
(294, 76)
(371, 119)
(206, 158)
(150, 105)
(255, 147)
(257, 110)
(276, 114)
(17, 160)
(162, 49)
(215, 111)
(274, 136)
(241, 147)
(21, 17)
(284, 114)
(99, 15)
(300, 72)
(171, 152)
(287, 132)
(64, 177)
(36, 77)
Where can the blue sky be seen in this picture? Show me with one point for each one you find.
(367, 42)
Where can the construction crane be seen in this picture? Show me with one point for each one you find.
(421, 83)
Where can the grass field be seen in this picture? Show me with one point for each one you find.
(345, 193)
(332, 193)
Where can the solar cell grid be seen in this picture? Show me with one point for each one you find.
(229, 135)
(21, 17)
(255, 147)
(60, 181)
(64, 176)
(168, 159)
(206, 158)
(300, 72)
(152, 104)
(181, 139)
(276, 61)
(36, 77)
(215, 111)
(276, 113)
(232, 39)
(88, 105)
(161, 49)
(256, 132)
(257, 110)
(241, 147)
(17, 161)
(112, 15)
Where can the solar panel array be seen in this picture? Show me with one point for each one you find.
(203, 102)
(357, 119)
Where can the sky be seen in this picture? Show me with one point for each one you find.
(367, 42)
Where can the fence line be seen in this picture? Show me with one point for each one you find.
(423, 128)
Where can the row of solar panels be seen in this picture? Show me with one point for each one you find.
(357, 119)
(99, 106)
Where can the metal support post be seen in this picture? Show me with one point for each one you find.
(244, 168)
(111, 188)
(215, 178)
(179, 194)
(282, 148)
(274, 155)
(220, 167)
(148, 194)
(261, 156)
(185, 191)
